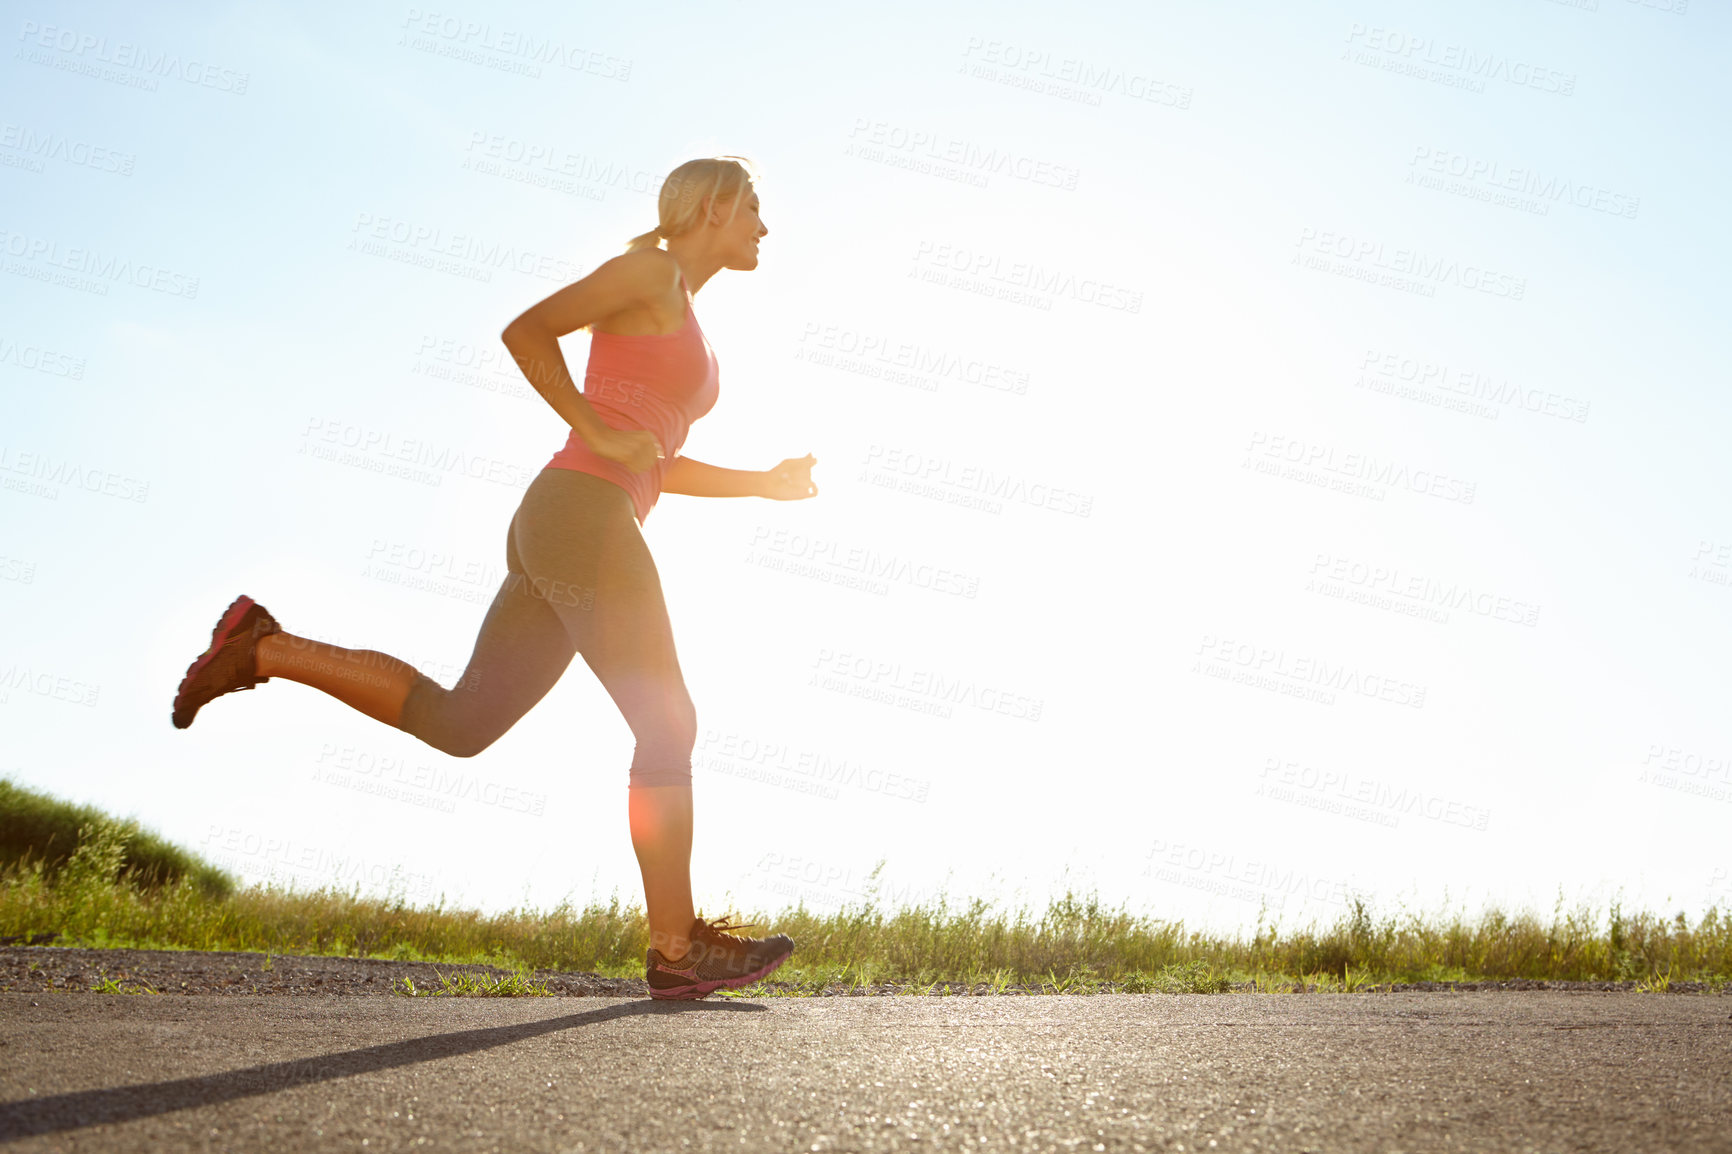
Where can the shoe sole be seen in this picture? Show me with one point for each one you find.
(229, 621)
(702, 989)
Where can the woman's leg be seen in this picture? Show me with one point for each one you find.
(661, 836)
(520, 652)
(372, 682)
(590, 556)
(630, 648)
(580, 579)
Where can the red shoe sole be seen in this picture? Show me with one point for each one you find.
(230, 619)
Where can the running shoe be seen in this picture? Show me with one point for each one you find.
(228, 665)
(717, 960)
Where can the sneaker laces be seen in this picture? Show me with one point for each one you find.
(723, 927)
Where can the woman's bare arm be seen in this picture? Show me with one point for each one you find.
(789, 481)
(696, 479)
(626, 281)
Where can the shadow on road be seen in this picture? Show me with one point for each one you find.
(34, 1116)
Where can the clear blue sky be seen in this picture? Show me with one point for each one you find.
(1266, 451)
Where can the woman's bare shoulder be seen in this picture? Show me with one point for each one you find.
(654, 279)
(653, 267)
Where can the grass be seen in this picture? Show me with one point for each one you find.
(37, 827)
(107, 985)
(97, 895)
(469, 985)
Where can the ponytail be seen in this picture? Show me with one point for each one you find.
(650, 239)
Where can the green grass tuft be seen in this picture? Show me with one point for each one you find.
(472, 985)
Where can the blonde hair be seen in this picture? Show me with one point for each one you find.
(681, 206)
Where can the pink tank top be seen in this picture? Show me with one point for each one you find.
(660, 382)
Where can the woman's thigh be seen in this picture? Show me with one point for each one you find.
(583, 551)
(521, 650)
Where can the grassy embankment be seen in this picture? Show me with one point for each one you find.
(100, 882)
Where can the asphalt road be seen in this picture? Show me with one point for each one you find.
(1364, 1072)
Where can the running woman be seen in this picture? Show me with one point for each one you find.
(579, 577)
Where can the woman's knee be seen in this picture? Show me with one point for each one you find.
(664, 751)
(457, 742)
(676, 737)
(428, 714)
(465, 744)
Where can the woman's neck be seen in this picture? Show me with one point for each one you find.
(698, 261)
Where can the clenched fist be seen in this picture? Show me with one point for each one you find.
(636, 449)
(791, 480)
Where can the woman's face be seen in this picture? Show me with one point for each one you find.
(740, 235)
